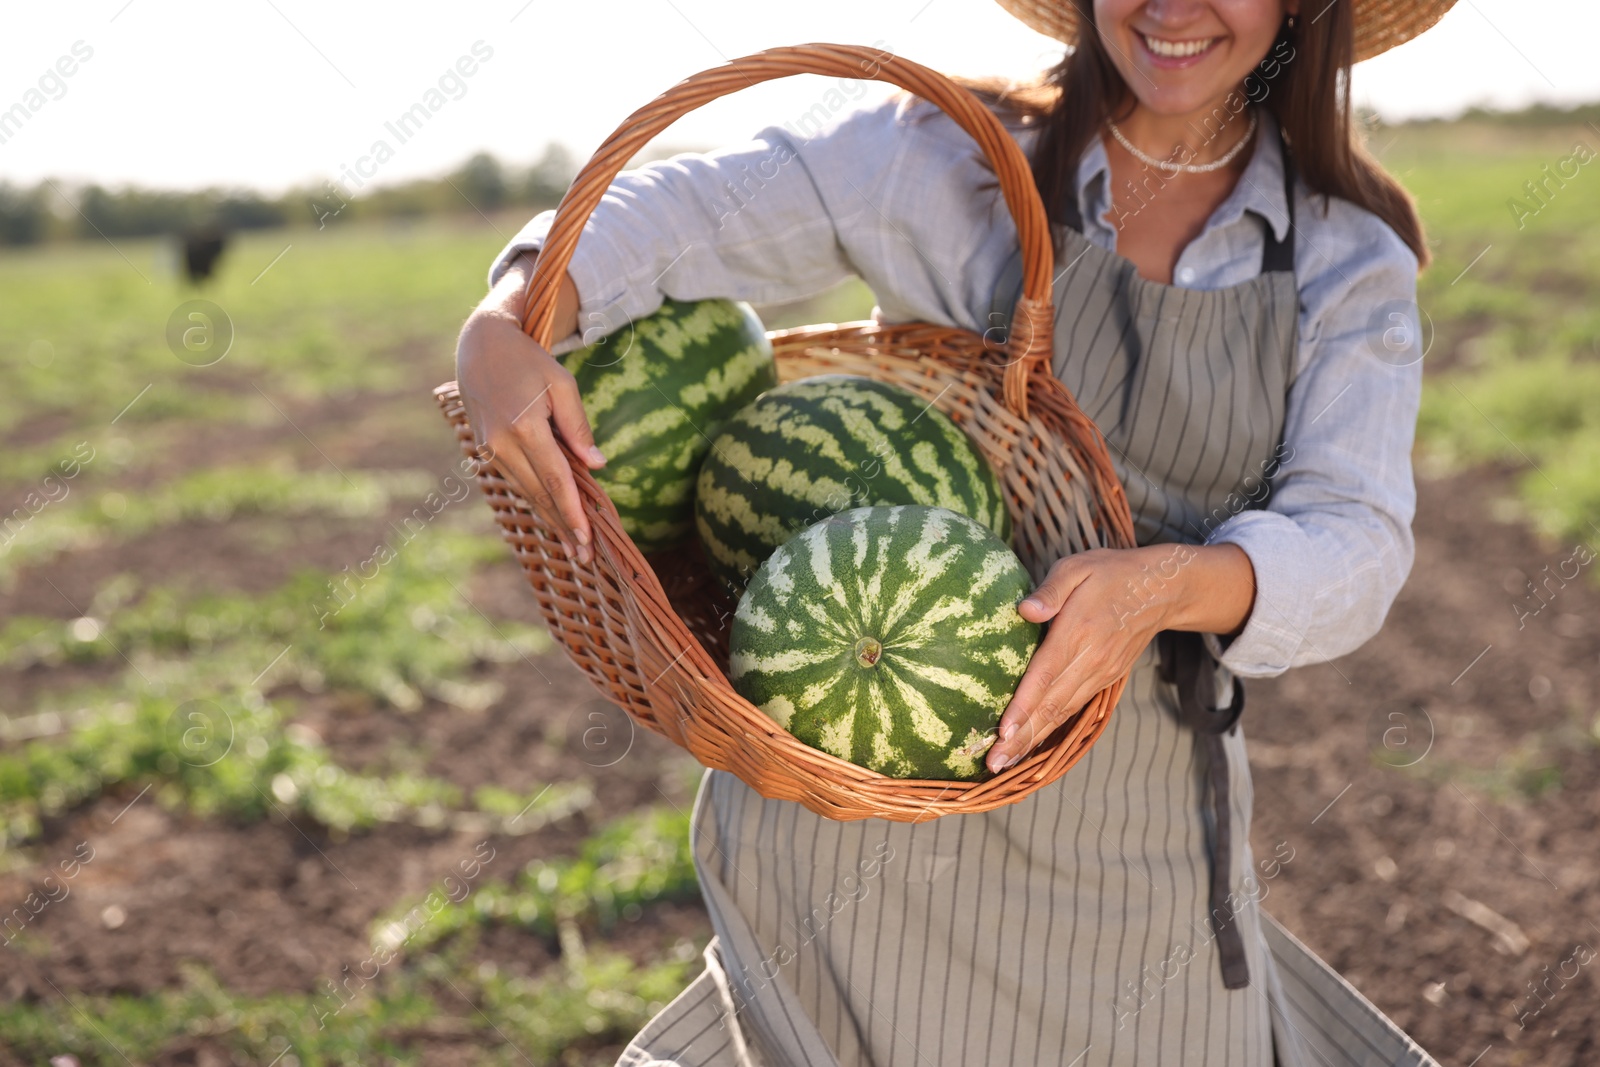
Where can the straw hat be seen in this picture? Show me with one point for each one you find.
(1380, 24)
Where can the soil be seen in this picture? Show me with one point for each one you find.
(278, 905)
(1500, 809)
(1498, 806)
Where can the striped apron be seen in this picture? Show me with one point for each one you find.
(1082, 925)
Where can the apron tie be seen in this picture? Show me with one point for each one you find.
(1189, 665)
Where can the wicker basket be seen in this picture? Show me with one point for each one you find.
(652, 634)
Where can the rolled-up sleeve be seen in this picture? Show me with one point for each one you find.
(743, 222)
(892, 192)
(1333, 544)
(759, 221)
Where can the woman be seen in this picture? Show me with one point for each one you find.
(1226, 312)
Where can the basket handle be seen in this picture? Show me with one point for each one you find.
(1029, 342)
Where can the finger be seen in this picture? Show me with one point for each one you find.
(573, 423)
(1074, 687)
(555, 475)
(482, 451)
(469, 407)
(1065, 575)
(1057, 706)
(515, 467)
(1063, 645)
(1037, 706)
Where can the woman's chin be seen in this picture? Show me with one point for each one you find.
(1176, 101)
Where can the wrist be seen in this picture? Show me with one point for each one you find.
(1212, 588)
(509, 296)
(1165, 584)
(510, 287)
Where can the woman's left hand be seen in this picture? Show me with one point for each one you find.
(1106, 605)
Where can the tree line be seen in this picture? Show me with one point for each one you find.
(52, 211)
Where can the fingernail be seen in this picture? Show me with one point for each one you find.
(1009, 762)
(596, 456)
(1008, 731)
(1030, 602)
(581, 536)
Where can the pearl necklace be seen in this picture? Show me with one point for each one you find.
(1187, 168)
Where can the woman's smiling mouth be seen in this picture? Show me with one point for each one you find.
(1165, 52)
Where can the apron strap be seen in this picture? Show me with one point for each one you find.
(1188, 664)
(1278, 255)
(1071, 214)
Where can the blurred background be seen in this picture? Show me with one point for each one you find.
(289, 771)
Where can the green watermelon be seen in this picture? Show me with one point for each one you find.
(655, 395)
(813, 447)
(889, 637)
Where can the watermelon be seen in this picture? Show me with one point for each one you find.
(889, 637)
(655, 395)
(813, 447)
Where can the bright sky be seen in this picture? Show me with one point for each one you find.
(184, 93)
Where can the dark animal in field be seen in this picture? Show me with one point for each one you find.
(201, 250)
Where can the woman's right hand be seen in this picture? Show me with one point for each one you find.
(518, 397)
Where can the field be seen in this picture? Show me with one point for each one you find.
(289, 772)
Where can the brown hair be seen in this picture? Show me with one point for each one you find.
(1304, 82)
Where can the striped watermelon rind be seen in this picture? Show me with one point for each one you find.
(821, 445)
(889, 637)
(656, 395)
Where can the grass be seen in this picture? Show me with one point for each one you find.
(1539, 412)
(1508, 296)
(329, 317)
(623, 868)
(188, 709)
(590, 997)
(72, 523)
(603, 999)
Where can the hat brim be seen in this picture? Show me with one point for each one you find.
(1380, 24)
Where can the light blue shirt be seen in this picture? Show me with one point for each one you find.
(897, 194)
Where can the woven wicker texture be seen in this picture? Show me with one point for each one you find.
(652, 634)
(1380, 24)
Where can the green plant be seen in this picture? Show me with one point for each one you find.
(632, 862)
(188, 710)
(1541, 413)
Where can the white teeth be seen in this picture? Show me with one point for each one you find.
(1177, 49)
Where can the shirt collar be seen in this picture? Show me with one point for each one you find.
(1259, 189)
